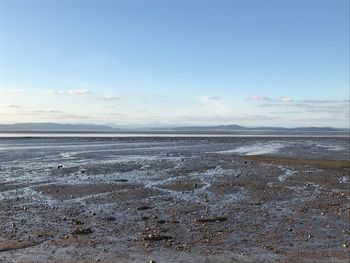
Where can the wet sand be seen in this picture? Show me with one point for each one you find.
(173, 201)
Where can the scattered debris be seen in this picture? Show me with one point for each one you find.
(82, 231)
(269, 248)
(76, 222)
(141, 208)
(210, 219)
(156, 237)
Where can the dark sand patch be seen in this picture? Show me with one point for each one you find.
(324, 164)
(134, 194)
(222, 188)
(13, 245)
(63, 192)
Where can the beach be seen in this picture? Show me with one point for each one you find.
(174, 199)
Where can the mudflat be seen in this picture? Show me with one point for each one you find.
(174, 200)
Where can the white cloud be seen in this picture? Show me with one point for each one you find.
(13, 106)
(285, 99)
(12, 91)
(325, 104)
(290, 102)
(56, 92)
(70, 92)
(312, 108)
(213, 101)
(259, 98)
(78, 92)
(265, 98)
(109, 98)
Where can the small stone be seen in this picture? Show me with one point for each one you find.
(156, 237)
(76, 222)
(210, 219)
(142, 208)
(79, 231)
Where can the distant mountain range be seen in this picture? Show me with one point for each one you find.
(222, 128)
(56, 127)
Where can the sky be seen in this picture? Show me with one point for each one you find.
(175, 62)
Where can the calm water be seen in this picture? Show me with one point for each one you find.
(171, 134)
(59, 148)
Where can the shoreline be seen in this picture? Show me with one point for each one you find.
(172, 134)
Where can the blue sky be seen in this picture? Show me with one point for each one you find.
(175, 62)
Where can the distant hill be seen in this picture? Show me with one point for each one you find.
(318, 129)
(54, 127)
(235, 128)
(57, 127)
(212, 128)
